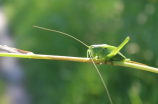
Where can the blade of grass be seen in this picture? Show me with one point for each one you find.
(79, 59)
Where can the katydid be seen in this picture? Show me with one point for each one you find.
(101, 51)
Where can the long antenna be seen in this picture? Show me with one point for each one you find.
(89, 54)
(62, 33)
(101, 79)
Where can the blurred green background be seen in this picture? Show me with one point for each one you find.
(93, 22)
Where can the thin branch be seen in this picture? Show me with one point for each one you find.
(10, 52)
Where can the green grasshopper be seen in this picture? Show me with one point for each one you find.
(107, 52)
(102, 51)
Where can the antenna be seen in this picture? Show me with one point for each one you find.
(101, 79)
(62, 33)
(89, 54)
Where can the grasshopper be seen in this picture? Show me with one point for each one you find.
(102, 51)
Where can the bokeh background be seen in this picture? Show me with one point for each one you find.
(93, 22)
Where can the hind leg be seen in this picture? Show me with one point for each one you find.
(115, 51)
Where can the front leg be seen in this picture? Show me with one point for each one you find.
(88, 55)
(88, 52)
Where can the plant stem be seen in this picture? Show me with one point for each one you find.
(80, 59)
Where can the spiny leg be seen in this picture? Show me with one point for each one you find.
(101, 79)
(115, 51)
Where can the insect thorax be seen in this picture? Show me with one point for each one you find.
(98, 50)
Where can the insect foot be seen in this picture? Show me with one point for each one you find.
(100, 63)
(86, 60)
(111, 63)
